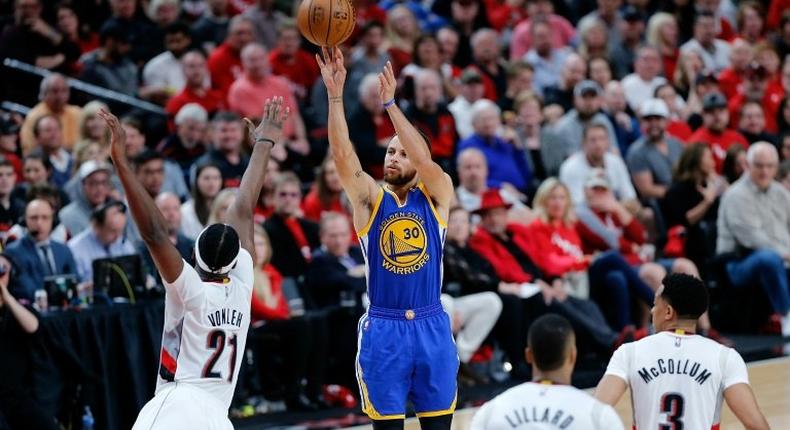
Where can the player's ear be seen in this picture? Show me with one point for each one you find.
(572, 354)
(529, 355)
(670, 312)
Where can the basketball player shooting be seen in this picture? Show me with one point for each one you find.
(406, 348)
(207, 308)
(678, 378)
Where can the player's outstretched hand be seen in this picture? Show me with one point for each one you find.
(387, 84)
(118, 140)
(333, 70)
(271, 126)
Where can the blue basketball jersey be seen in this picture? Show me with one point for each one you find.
(403, 246)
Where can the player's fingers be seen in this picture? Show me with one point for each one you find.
(319, 61)
(276, 106)
(250, 125)
(266, 108)
(286, 114)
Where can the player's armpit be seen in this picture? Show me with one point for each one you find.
(610, 389)
(740, 399)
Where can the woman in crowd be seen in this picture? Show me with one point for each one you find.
(734, 163)
(299, 342)
(427, 55)
(326, 194)
(37, 172)
(70, 26)
(751, 21)
(594, 40)
(599, 70)
(662, 32)
(92, 127)
(529, 135)
(558, 252)
(195, 213)
(402, 31)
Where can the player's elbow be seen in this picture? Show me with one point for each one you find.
(756, 422)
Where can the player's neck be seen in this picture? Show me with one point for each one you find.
(402, 190)
(682, 327)
(553, 377)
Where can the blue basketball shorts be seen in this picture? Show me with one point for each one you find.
(406, 355)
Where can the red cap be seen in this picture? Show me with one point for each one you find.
(491, 199)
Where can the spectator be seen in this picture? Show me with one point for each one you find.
(19, 325)
(169, 205)
(301, 341)
(54, 97)
(623, 54)
(11, 209)
(522, 40)
(220, 205)
(32, 40)
(741, 56)
(734, 163)
(289, 61)
(186, 144)
(472, 90)
(326, 194)
(531, 136)
(715, 52)
(473, 313)
(714, 132)
(676, 124)
(507, 164)
(652, 159)
(162, 75)
(211, 28)
(641, 85)
(692, 201)
(227, 134)
(599, 71)
(35, 256)
(662, 33)
(448, 39)
(373, 129)
(568, 130)
(783, 116)
(144, 37)
(402, 30)
(370, 56)
(546, 59)
(784, 149)
(249, 92)
(224, 63)
(519, 80)
(37, 173)
(156, 176)
(110, 66)
(595, 154)
(781, 40)
(104, 239)
(485, 57)
(78, 33)
(49, 140)
(162, 14)
(432, 117)
(195, 211)
(472, 178)
(751, 21)
(594, 37)
(296, 237)
(267, 21)
(754, 227)
(92, 127)
(752, 124)
(616, 109)
(573, 71)
(608, 13)
(690, 66)
(9, 146)
(265, 207)
(756, 88)
(784, 174)
(96, 187)
(557, 251)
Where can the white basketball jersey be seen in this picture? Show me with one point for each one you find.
(536, 406)
(206, 330)
(676, 380)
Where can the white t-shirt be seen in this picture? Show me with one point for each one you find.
(536, 406)
(205, 330)
(676, 378)
(575, 170)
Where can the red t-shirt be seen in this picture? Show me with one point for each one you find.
(313, 209)
(730, 81)
(775, 11)
(670, 62)
(557, 248)
(680, 129)
(631, 237)
(212, 101)
(718, 143)
(770, 103)
(301, 69)
(225, 67)
(260, 309)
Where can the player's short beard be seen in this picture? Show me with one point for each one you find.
(399, 180)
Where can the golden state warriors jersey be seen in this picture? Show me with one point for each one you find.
(403, 246)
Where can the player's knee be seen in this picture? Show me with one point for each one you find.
(442, 422)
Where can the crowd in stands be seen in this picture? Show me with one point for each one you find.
(596, 146)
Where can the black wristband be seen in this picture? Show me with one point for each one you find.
(264, 139)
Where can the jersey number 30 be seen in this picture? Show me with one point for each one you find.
(672, 404)
(216, 341)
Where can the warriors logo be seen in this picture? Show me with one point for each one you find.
(403, 243)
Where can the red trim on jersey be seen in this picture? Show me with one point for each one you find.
(714, 427)
(168, 362)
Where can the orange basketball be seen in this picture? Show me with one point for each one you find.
(326, 22)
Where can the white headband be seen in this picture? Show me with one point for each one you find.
(202, 264)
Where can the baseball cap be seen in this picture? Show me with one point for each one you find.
(92, 166)
(585, 87)
(654, 107)
(597, 178)
(713, 101)
(471, 75)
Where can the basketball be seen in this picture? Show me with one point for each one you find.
(326, 22)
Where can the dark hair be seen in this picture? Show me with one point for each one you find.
(548, 339)
(179, 27)
(325, 195)
(419, 41)
(781, 122)
(703, 14)
(784, 169)
(514, 68)
(38, 120)
(100, 213)
(5, 162)
(134, 122)
(370, 26)
(593, 125)
(687, 294)
(40, 156)
(689, 166)
(730, 166)
(44, 192)
(202, 207)
(145, 156)
(218, 245)
(225, 116)
(749, 103)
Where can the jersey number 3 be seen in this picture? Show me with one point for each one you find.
(672, 404)
(216, 341)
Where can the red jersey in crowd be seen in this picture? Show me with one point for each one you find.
(225, 67)
(506, 266)
(301, 69)
(718, 143)
(632, 236)
(212, 101)
(730, 81)
(770, 103)
(556, 248)
(269, 305)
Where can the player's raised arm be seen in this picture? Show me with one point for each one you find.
(263, 138)
(439, 184)
(152, 225)
(360, 187)
(740, 399)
